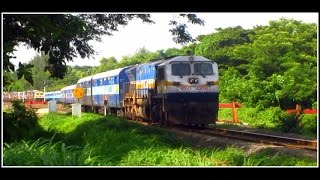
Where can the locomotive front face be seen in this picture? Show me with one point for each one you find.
(190, 87)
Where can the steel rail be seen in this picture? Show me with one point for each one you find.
(262, 138)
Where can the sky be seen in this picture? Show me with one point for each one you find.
(129, 39)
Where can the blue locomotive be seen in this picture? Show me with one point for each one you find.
(176, 90)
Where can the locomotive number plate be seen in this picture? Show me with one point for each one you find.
(194, 88)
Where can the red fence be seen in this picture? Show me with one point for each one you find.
(35, 102)
(232, 105)
(229, 105)
(298, 110)
(235, 105)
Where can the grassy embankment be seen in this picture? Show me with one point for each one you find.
(95, 140)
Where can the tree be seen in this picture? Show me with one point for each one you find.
(142, 55)
(273, 65)
(179, 29)
(41, 77)
(64, 36)
(220, 46)
(107, 64)
(280, 46)
(281, 61)
(14, 84)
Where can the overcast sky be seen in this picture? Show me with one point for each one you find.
(156, 36)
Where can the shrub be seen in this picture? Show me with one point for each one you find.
(286, 122)
(256, 117)
(309, 124)
(19, 123)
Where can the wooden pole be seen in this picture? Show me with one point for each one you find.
(298, 109)
(234, 113)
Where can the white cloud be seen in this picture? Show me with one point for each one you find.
(157, 36)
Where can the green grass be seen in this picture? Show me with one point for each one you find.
(44, 152)
(251, 116)
(264, 119)
(95, 140)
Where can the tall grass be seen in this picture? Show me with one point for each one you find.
(45, 152)
(95, 140)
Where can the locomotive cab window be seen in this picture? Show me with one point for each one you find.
(203, 69)
(181, 69)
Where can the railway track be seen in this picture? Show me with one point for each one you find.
(248, 136)
(258, 137)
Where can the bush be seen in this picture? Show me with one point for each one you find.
(258, 118)
(286, 122)
(20, 123)
(309, 124)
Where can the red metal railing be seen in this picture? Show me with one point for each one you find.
(298, 110)
(35, 102)
(234, 106)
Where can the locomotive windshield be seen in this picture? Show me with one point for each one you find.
(181, 69)
(203, 69)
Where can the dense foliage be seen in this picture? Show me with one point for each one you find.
(274, 65)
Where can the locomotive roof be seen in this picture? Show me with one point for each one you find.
(152, 63)
(110, 73)
(184, 58)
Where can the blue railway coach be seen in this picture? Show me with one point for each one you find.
(66, 95)
(52, 95)
(85, 83)
(104, 90)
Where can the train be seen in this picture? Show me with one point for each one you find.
(29, 95)
(179, 90)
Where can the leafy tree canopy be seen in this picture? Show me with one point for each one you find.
(64, 36)
(273, 65)
(220, 46)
